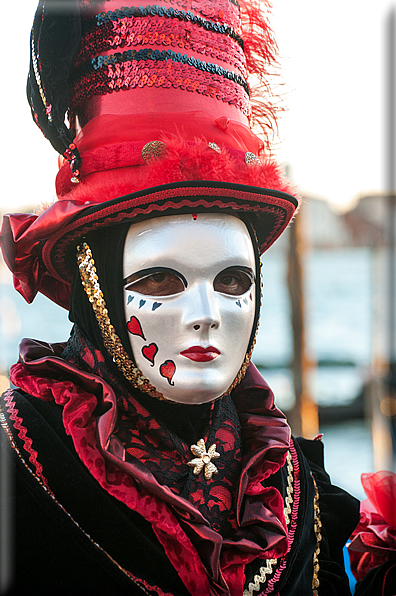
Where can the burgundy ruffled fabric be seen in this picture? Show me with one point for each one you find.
(140, 435)
(20, 239)
(373, 542)
(207, 562)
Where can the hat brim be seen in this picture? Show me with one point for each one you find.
(269, 210)
(40, 250)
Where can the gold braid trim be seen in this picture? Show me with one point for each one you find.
(260, 579)
(268, 569)
(317, 528)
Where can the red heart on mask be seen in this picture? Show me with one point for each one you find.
(149, 352)
(167, 370)
(135, 328)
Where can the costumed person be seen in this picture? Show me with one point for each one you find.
(150, 457)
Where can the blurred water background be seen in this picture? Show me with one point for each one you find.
(338, 308)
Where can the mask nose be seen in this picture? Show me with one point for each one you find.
(202, 311)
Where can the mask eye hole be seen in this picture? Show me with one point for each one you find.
(159, 281)
(234, 281)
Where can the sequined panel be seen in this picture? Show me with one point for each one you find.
(153, 31)
(189, 45)
(106, 75)
(226, 11)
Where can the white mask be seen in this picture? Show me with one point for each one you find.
(189, 302)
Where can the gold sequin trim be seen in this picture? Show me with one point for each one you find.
(48, 107)
(111, 340)
(268, 568)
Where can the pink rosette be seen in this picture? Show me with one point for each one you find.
(374, 540)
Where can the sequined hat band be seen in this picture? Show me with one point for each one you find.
(153, 68)
(135, 12)
(151, 31)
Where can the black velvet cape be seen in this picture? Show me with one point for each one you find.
(80, 540)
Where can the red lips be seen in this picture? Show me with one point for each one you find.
(200, 354)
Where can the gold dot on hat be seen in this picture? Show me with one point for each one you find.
(153, 149)
(251, 158)
(214, 147)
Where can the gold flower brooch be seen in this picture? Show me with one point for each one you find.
(203, 459)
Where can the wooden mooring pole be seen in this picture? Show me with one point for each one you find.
(303, 418)
(383, 386)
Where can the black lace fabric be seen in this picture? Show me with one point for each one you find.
(143, 429)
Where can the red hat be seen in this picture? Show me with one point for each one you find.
(160, 110)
